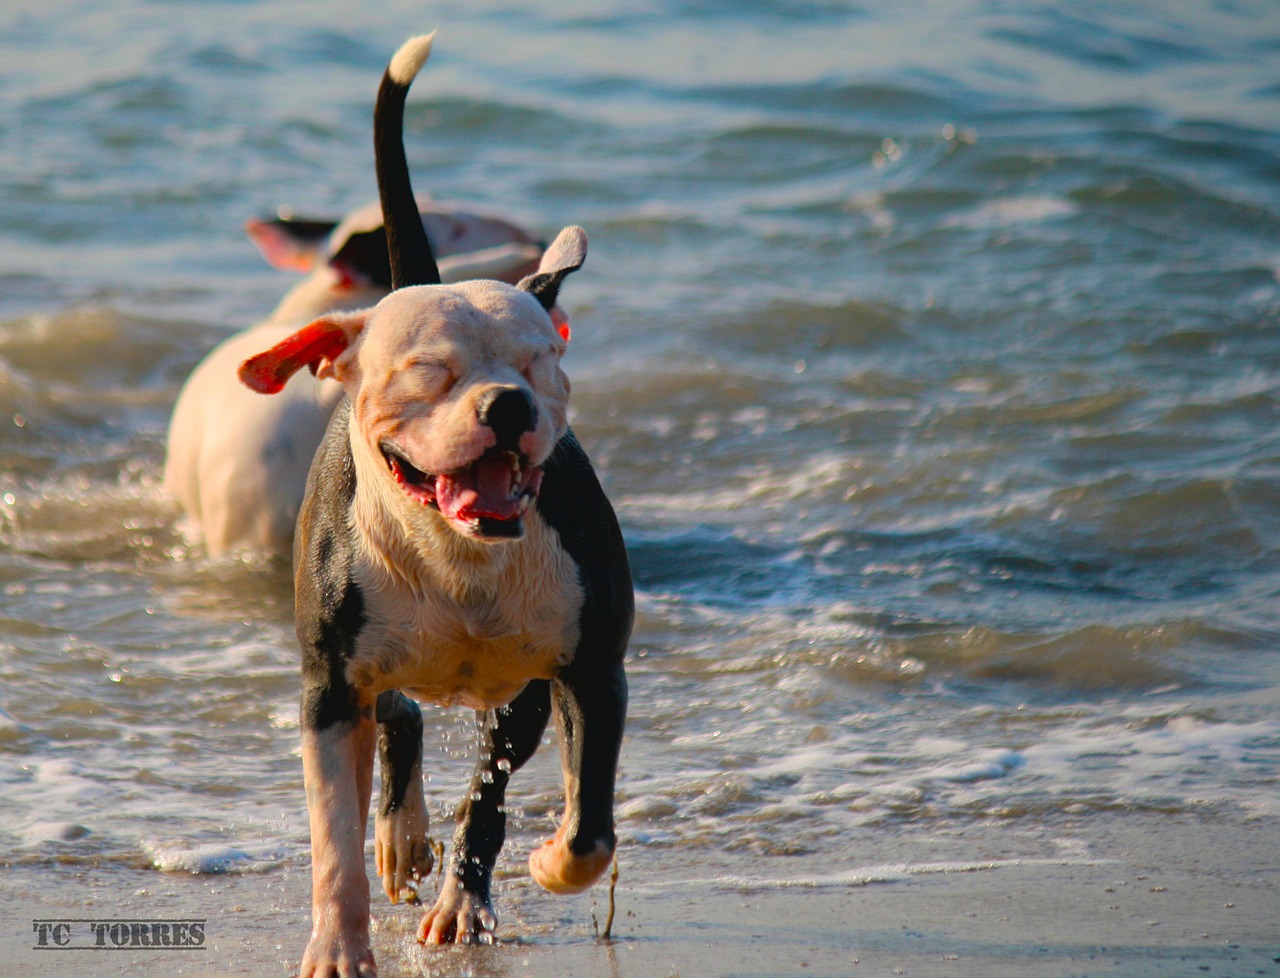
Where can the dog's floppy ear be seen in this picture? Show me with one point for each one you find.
(288, 242)
(566, 254)
(317, 345)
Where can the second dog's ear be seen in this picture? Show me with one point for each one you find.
(289, 243)
(317, 345)
(566, 254)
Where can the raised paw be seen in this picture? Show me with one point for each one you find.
(337, 955)
(402, 852)
(458, 917)
(555, 867)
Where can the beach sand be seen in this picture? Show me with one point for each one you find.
(1141, 896)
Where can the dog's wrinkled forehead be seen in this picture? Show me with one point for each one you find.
(482, 318)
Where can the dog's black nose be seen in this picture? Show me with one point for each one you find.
(510, 412)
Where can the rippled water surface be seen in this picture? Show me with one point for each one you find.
(929, 353)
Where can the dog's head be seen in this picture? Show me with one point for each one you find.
(457, 389)
(347, 262)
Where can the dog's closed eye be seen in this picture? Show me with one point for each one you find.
(539, 364)
(431, 374)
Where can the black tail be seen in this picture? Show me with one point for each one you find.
(412, 262)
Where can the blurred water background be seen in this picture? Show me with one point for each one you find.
(929, 353)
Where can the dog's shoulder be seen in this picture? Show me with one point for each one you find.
(574, 505)
(330, 608)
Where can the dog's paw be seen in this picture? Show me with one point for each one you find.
(458, 917)
(556, 869)
(402, 852)
(338, 955)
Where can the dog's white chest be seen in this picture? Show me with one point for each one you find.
(474, 639)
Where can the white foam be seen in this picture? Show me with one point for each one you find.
(826, 775)
(1157, 757)
(990, 766)
(284, 715)
(1011, 211)
(213, 860)
(867, 875)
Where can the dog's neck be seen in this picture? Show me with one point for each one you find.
(320, 292)
(412, 544)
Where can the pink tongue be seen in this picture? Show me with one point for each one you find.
(482, 490)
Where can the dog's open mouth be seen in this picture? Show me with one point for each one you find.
(486, 498)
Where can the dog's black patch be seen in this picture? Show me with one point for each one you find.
(399, 746)
(329, 605)
(306, 231)
(366, 252)
(590, 693)
(573, 504)
(506, 743)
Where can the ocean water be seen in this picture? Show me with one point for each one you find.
(930, 354)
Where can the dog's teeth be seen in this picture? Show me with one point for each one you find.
(516, 474)
(524, 503)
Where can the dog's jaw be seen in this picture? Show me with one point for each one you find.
(485, 500)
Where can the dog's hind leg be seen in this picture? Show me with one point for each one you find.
(463, 912)
(591, 707)
(401, 851)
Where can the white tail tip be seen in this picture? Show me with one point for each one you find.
(409, 59)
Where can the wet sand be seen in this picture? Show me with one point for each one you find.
(1140, 896)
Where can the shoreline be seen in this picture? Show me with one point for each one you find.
(1151, 896)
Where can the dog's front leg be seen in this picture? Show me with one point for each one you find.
(591, 708)
(401, 852)
(463, 912)
(337, 766)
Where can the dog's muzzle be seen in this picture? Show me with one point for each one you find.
(487, 498)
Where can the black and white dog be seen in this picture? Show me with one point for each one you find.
(454, 544)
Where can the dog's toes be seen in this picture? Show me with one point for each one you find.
(384, 862)
(402, 855)
(458, 917)
(337, 956)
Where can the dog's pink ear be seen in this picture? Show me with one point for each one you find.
(566, 254)
(317, 345)
(289, 243)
